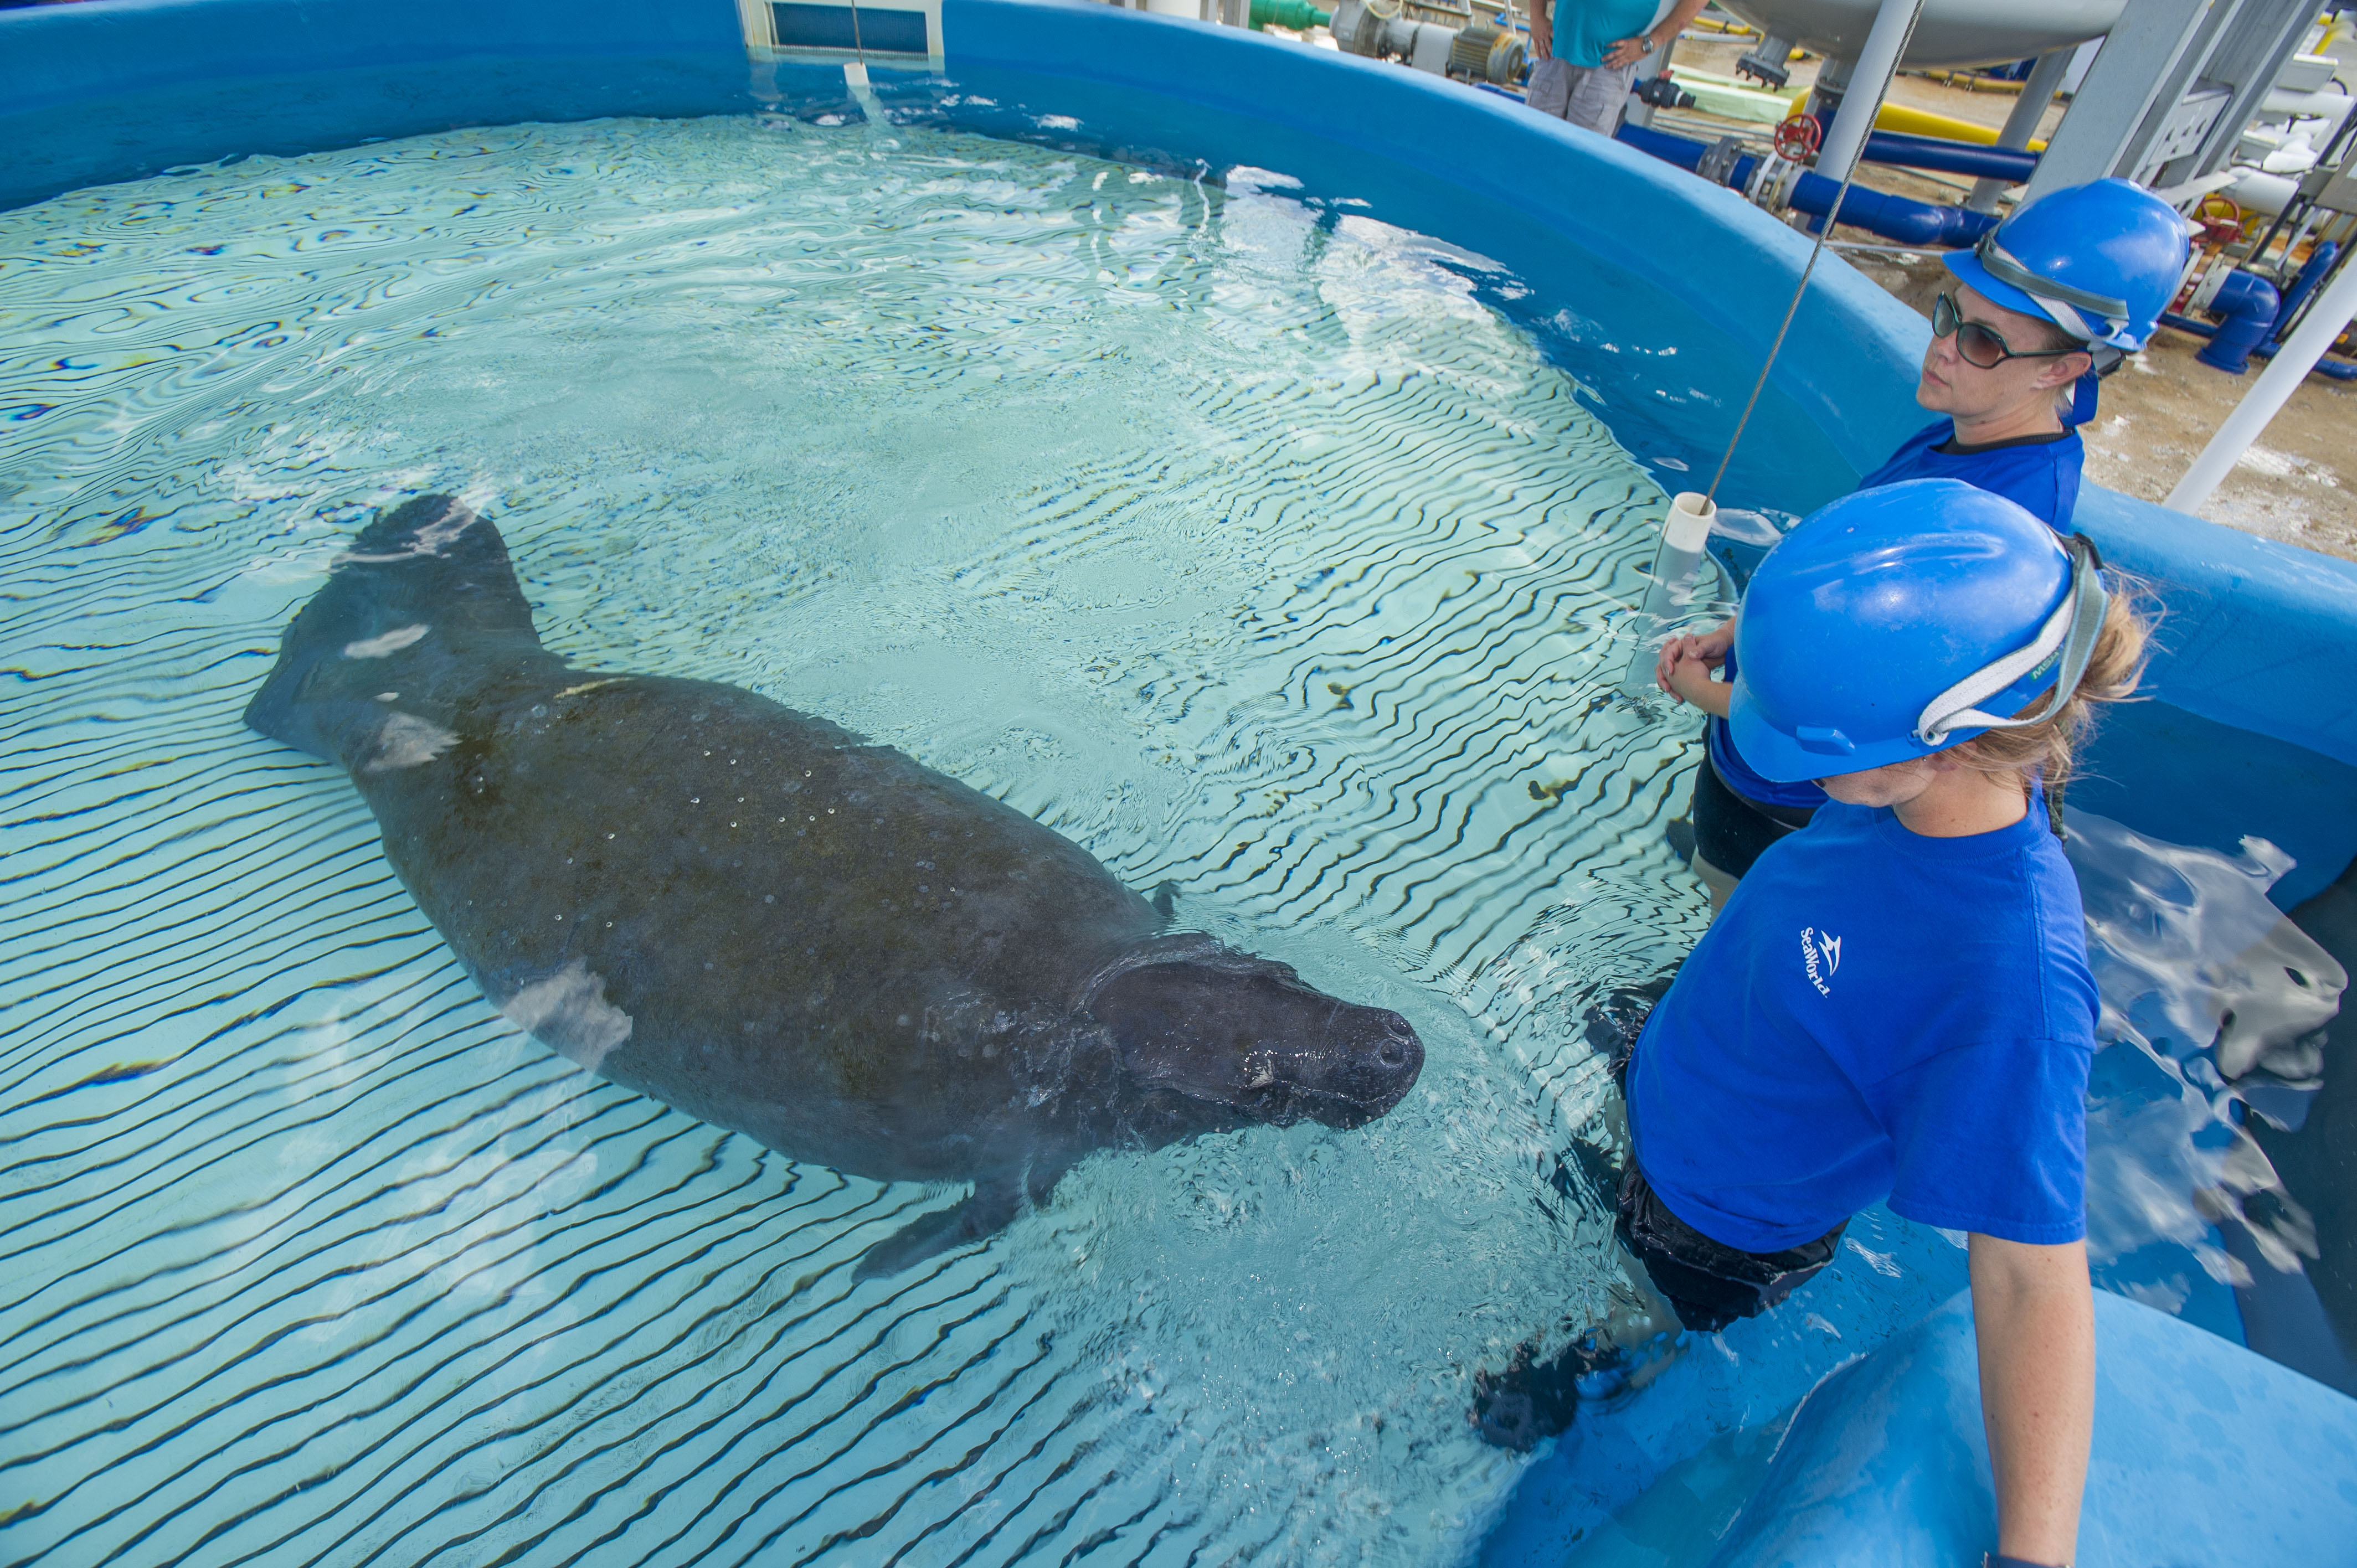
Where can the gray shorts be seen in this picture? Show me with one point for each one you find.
(1589, 95)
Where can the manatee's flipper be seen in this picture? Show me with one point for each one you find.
(1166, 900)
(986, 1210)
(425, 603)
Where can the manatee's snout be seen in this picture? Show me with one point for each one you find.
(1245, 1034)
(1377, 1062)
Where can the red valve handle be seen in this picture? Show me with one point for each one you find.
(1797, 137)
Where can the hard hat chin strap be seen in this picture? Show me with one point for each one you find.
(2068, 638)
(2083, 393)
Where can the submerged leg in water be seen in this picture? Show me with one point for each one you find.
(1674, 1279)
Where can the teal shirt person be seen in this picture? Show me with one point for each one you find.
(1585, 30)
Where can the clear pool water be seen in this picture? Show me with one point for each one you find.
(1237, 536)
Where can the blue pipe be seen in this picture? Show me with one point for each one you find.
(1893, 216)
(2320, 262)
(2248, 303)
(2338, 370)
(1896, 217)
(1949, 157)
(1682, 151)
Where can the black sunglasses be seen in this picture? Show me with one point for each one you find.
(1981, 345)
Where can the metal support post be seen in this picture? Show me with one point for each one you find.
(2021, 125)
(2323, 323)
(2140, 63)
(1862, 94)
(2249, 57)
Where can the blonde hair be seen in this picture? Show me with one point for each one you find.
(2046, 750)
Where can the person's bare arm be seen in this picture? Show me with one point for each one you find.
(1542, 28)
(2035, 1320)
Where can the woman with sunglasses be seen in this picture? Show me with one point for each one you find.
(2050, 301)
(1896, 1006)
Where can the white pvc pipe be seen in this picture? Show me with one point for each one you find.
(2317, 328)
(1869, 79)
(1686, 534)
(2260, 191)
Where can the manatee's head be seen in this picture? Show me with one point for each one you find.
(1243, 1034)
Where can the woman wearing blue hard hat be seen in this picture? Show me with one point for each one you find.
(2050, 301)
(1895, 1005)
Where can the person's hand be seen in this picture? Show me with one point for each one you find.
(1627, 52)
(1677, 651)
(1711, 646)
(1542, 33)
(1708, 648)
(1688, 680)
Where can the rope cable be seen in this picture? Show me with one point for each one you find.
(1824, 232)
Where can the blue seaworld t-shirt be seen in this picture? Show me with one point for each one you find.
(1878, 1015)
(2040, 473)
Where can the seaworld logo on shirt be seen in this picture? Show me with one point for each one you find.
(1820, 956)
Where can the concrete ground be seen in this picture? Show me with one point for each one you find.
(2298, 485)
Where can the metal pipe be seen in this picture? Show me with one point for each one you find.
(2331, 368)
(1869, 79)
(2002, 164)
(2248, 303)
(1682, 151)
(1896, 218)
(2311, 276)
(2323, 323)
(1892, 216)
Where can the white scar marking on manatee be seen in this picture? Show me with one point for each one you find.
(407, 741)
(569, 1012)
(391, 642)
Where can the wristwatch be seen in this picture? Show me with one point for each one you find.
(1645, 44)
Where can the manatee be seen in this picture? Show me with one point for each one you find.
(757, 916)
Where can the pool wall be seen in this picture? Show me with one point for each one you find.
(2257, 724)
(2253, 732)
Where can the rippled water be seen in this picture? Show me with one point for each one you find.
(1237, 536)
(1232, 535)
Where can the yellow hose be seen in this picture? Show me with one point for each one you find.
(1923, 123)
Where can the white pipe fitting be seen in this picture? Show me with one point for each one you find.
(1677, 562)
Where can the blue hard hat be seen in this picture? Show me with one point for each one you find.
(1902, 620)
(2100, 260)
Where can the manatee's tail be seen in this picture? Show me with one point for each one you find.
(424, 603)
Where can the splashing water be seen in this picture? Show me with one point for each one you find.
(2224, 1000)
